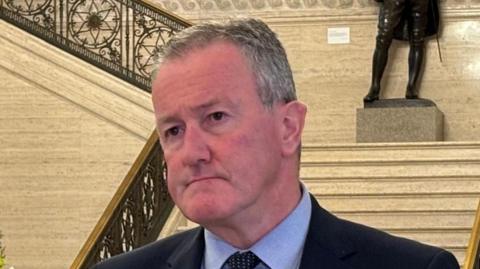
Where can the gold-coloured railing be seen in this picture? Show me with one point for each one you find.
(137, 212)
(472, 258)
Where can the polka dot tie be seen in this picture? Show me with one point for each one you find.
(245, 260)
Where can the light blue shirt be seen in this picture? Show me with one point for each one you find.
(281, 248)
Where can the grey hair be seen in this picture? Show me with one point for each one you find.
(257, 42)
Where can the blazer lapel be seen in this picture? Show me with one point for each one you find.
(325, 246)
(190, 253)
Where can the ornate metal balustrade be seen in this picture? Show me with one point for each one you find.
(118, 36)
(137, 212)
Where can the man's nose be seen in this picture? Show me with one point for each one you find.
(195, 148)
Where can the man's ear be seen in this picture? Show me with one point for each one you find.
(292, 126)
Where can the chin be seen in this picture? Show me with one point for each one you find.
(204, 214)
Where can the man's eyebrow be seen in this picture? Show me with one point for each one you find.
(166, 120)
(195, 109)
(206, 105)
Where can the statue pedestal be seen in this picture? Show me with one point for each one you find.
(399, 120)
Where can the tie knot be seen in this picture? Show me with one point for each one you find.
(245, 260)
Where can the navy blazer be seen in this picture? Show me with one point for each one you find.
(331, 243)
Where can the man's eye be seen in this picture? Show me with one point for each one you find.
(172, 131)
(216, 116)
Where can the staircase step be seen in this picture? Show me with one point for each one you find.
(367, 170)
(398, 203)
(459, 220)
(441, 238)
(392, 152)
(395, 186)
(391, 160)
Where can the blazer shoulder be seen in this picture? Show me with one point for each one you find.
(388, 251)
(153, 255)
(363, 247)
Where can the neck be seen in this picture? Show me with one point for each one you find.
(244, 231)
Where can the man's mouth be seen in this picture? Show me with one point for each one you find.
(199, 179)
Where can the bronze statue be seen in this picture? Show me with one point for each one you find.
(408, 20)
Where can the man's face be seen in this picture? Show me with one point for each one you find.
(221, 145)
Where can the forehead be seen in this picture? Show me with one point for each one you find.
(218, 57)
(218, 71)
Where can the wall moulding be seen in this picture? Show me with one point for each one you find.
(300, 10)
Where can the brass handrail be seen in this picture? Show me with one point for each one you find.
(137, 212)
(473, 255)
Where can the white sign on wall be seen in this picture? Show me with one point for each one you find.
(338, 35)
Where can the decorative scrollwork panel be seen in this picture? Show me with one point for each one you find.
(119, 36)
(41, 12)
(141, 213)
(150, 40)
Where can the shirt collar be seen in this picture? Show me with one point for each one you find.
(281, 248)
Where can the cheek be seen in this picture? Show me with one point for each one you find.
(247, 154)
(257, 142)
(253, 136)
(171, 186)
(241, 148)
(172, 177)
(172, 161)
(241, 142)
(259, 152)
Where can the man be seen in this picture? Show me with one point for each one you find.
(410, 20)
(230, 127)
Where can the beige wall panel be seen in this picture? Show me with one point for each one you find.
(59, 167)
